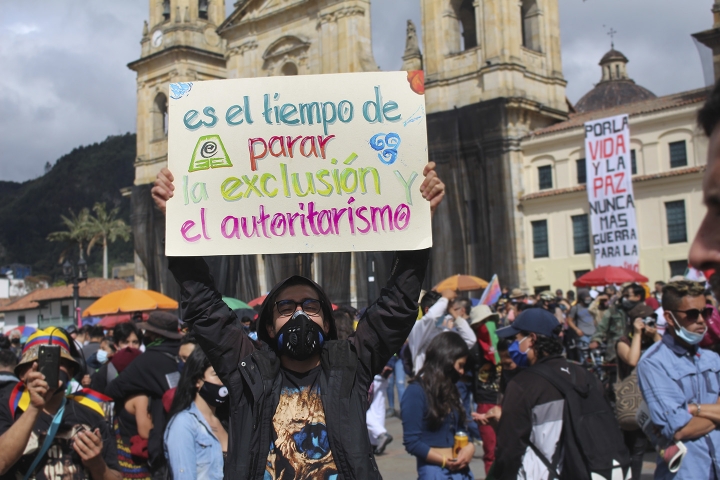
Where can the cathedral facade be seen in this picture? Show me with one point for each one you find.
(493, 74)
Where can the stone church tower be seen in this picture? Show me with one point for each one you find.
(179, 44)
(493, 73)
(192, 40)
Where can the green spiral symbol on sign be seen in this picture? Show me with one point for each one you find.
(209, 153)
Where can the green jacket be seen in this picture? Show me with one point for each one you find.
(610, 329)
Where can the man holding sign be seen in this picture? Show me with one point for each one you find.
(299, 396)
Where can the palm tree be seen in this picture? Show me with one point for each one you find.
(106, 227)
(76, 233)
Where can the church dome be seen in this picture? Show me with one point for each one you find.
(615, 87)
(613, 55)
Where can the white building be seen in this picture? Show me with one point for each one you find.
(54, 306)
(668, 158)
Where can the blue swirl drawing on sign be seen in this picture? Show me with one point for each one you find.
(179, 90)
(415, 117)
(387, 145)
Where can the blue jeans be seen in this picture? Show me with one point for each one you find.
(397, 378)
(435, 472)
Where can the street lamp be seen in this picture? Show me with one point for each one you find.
(75, 273)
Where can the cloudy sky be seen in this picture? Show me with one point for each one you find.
(64, 82)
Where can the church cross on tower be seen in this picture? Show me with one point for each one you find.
(612, 32)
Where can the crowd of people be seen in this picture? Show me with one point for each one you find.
(573, 385)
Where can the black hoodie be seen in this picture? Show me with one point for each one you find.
(251, 370)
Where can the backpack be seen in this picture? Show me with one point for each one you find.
(591, 439)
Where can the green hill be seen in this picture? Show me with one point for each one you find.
(29, 211)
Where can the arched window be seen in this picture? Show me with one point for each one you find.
(466, 16)
(203, 9)
(617, 71)
(166, 10)
(460, 21)
(530, 16)
(289, 69)
(159, 115)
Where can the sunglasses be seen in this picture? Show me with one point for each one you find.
(311, 306)
(693, 314)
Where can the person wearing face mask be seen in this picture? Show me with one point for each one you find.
(640, 336)
(80, 445)
(125, 336)
(615, 320)
(681, 383)
(432, 412)
(196, 437)
(150, 375)
(299, 395)
(532, 435)
(100, 357)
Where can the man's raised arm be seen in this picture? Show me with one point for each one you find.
(388, 322)
(201, 305)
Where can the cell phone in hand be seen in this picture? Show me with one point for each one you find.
(49, 364)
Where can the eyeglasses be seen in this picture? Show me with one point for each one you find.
(693, 314)
(311, 306)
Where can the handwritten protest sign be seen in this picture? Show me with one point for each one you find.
(315, 163)
(610, 192)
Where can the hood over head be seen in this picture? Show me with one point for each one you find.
(266, 311)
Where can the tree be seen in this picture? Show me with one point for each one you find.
(106, 227)
(77, 231)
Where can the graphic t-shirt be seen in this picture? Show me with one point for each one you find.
(61, 461)
(301, 447)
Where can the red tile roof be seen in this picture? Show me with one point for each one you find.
(92, 288)
(635, 179)
(646, 106)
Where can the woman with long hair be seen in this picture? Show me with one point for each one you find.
(195, 439)
(432, 412)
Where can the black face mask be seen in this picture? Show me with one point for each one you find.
(147, 340)
(628, 304)
(300, 338)
(214, 395)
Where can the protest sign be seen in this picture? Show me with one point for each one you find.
(313, 163)
(610, 192)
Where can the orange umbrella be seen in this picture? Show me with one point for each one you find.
(462, 283)
(129, 300)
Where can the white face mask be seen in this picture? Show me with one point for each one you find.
(102, 356)
(684, 334)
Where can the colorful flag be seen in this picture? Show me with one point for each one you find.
(492, 292)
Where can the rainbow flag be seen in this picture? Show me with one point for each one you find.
(492, 292)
